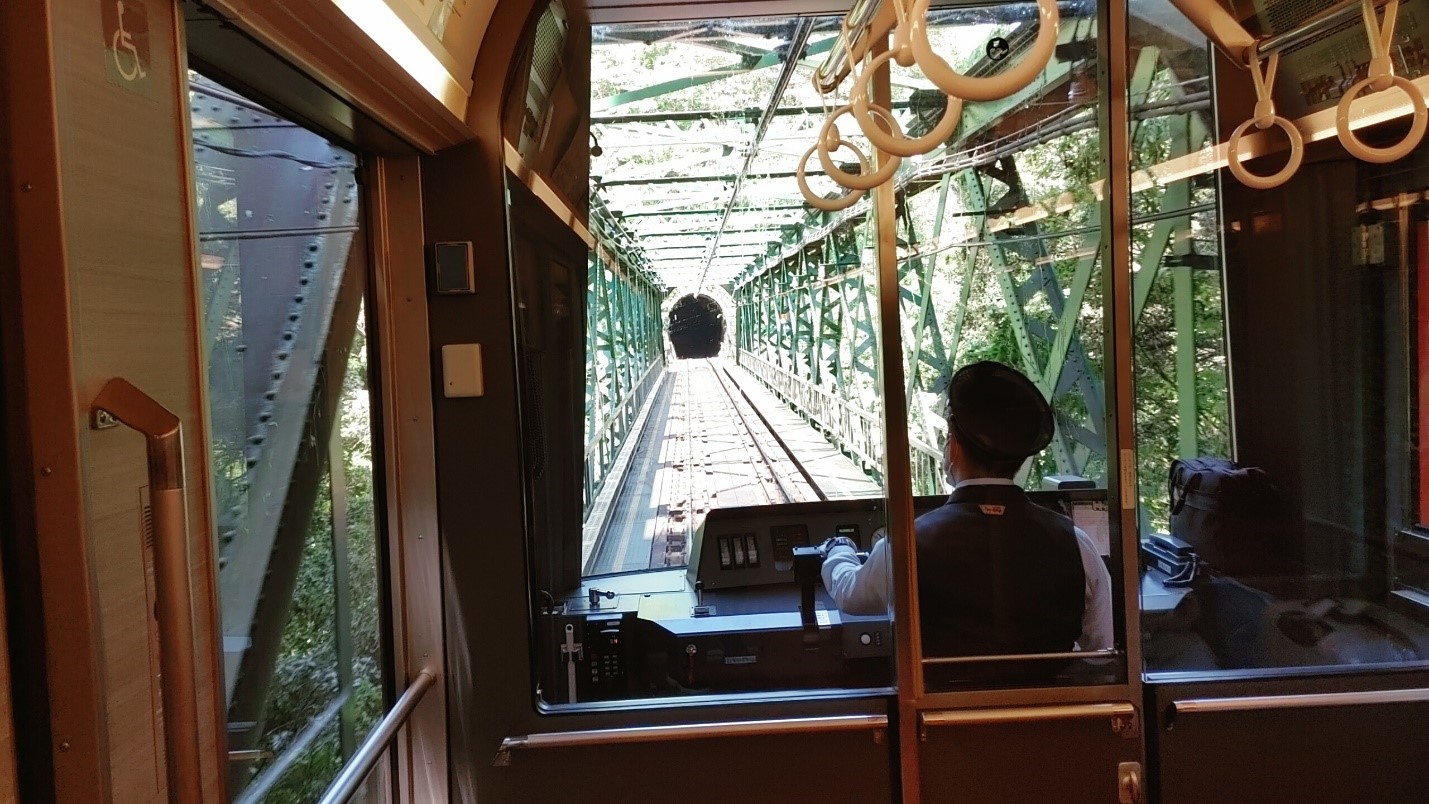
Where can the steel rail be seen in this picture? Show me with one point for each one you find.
(778, 439)
(749, 439)
(357, 769)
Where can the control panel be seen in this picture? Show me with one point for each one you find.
(748, 614)
(754, 546)
(595, 650)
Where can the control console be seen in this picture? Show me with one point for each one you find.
(749, 613)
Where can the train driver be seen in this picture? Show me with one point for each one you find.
(997, 574)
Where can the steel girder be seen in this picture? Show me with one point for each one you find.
(1050, 347)
(1170, 236)
(812, 321)
(625, 356)
(750, 64)
(1047, 349)
(924, 346)
(269, 330)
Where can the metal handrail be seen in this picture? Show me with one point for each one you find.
(1023, 657)
(163, 434)
(689, 731)
(1227, 33)
(1312, 27)
(263, 784)
(1026, 714)
(836, 65)
(355, 772)
(1316, 700)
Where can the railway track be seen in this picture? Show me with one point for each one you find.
(714, 449)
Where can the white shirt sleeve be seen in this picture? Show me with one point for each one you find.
(859, 588)
(1096, 612)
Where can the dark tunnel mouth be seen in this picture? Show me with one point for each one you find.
(696, 327)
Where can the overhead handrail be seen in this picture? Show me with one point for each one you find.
(910, 45)
(822, 149)
(357, 769)
(163, 434)
(1310, 28)
(1226, 32)
(894, 141)
(1264, 117)
(858, 23)
(1381, 77)
(844, 201)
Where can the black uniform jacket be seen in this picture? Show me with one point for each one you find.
(998, 574)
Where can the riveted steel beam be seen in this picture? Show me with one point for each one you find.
(770, 59)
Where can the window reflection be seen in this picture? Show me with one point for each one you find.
(283, 276)
(1278, 356)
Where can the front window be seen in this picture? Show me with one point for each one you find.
(734, 391)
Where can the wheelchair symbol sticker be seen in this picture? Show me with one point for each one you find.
(126, 44)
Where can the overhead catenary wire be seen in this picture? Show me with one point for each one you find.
(797, 43)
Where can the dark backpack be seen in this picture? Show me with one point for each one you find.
(1232, 515)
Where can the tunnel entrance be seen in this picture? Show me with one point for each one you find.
(696, 327)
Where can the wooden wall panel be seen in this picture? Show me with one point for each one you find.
(127, 191)
(9, 779)
(322, 41)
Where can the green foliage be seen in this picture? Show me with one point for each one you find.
(1071, 165)
(306, 681)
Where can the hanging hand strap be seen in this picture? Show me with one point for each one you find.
(1264, 117)
(1381, 77)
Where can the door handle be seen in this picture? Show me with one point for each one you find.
(1128, 783)
(163, 433)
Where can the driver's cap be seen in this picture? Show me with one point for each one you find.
(998, 410)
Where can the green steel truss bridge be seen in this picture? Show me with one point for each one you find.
(700, 226)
